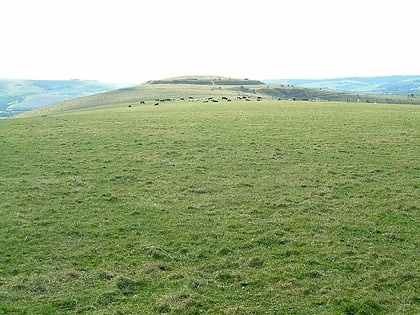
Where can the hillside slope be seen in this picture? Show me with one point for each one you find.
(180, 88)
(17, 96)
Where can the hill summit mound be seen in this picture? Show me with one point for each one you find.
(207, 80)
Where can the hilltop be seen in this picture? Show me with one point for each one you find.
(211, 88)
(207, 80)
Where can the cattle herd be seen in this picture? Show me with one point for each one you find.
(158, 101)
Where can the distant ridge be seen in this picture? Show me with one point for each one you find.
(398, 84)
(17, 96)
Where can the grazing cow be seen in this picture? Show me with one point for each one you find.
(142, 102)
(156, 103)
(259, 98)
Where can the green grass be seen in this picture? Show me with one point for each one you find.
(232, 208)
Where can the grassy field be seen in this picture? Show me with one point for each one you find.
(231, 208)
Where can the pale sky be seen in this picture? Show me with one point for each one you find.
(137, 41)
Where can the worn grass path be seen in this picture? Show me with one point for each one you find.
(186, 208)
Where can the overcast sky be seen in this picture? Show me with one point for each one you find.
(136, 41)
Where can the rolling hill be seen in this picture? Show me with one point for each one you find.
(215, 89)
(17, 96)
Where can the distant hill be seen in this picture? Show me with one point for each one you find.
(371, 85)
(212, 89)
(178, 88)
(17, 96)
